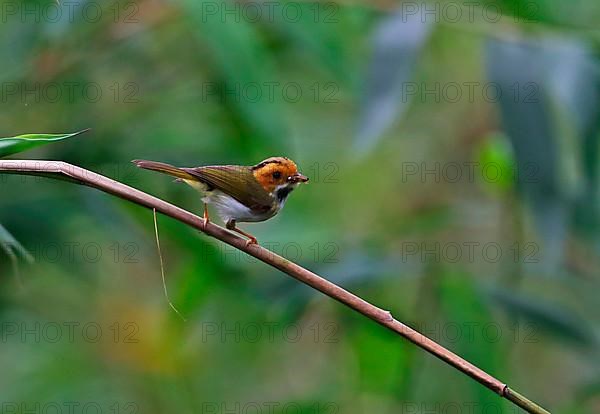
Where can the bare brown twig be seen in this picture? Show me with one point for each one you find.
(62, 170)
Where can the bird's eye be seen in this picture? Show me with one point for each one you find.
(277, 175)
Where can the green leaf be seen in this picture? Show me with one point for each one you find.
(20, 143)
(7, 241)
(398, 43)
(547, 316)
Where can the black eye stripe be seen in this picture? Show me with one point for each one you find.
(262, 164)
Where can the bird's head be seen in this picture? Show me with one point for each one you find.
(278, 174)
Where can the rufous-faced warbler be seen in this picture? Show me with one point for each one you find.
(239, 193)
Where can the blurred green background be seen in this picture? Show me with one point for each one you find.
(453, 154)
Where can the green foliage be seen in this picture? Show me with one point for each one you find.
(14, 145)
(399, 209)
(12, 244)
(20, 143)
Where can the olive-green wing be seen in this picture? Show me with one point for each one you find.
(236, 181)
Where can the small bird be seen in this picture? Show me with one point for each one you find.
(239, 193)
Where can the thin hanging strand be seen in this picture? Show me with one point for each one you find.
(162, 269)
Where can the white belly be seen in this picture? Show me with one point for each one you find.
(228, 207)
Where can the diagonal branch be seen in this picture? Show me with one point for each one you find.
(62, 170)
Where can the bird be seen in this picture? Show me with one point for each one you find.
(239, 193)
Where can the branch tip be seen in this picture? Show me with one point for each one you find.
(385, 318)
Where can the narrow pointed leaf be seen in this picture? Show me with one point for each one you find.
(7, 240)
(397, 44)
(547, 316)
(20, 143)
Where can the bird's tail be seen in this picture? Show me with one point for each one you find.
(164, 168)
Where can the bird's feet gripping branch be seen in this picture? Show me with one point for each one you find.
(251, 239)
(205, 215)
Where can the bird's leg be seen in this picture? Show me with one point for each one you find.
(206, 212)
(206, 219)
(231, 226)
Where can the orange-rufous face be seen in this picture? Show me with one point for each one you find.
(277, 171)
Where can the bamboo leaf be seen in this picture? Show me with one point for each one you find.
(397, 44)
(546, 316)
(20, 143)
(9, 243)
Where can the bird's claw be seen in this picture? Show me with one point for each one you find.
(204, 223)
(251, 241)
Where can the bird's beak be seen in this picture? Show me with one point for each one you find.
(298, 178)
